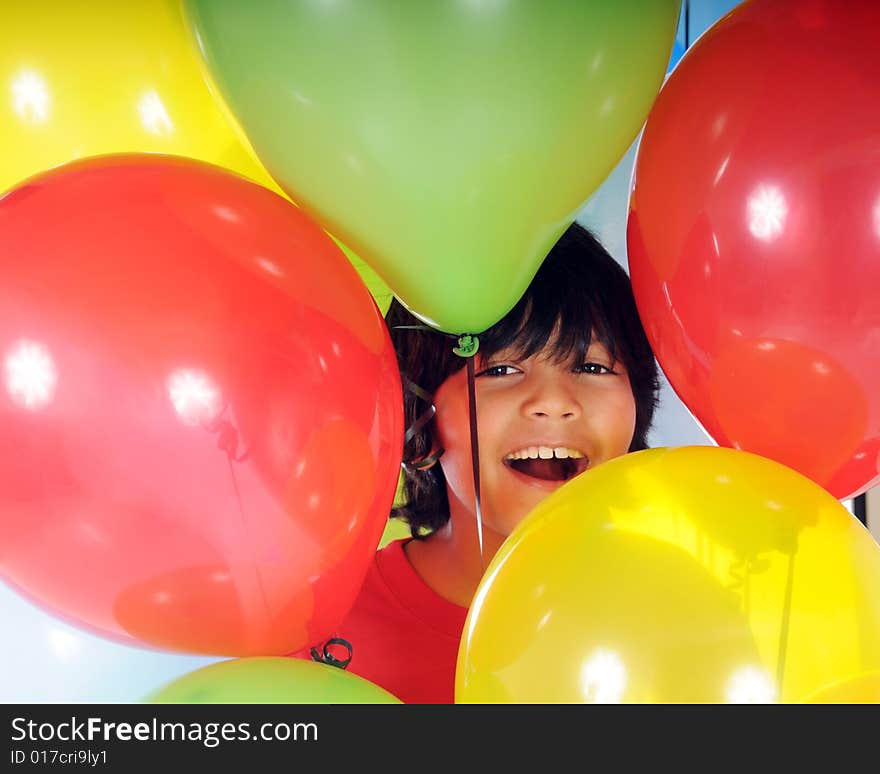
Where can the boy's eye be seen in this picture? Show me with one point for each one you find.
(593, 368)
(498, 370)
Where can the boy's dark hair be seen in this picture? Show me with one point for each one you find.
(578, 289)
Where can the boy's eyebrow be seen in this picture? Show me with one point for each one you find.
(512, 349)
(601, 344)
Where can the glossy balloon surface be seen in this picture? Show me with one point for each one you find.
(448, 143)
(200, 408)
(754, 235)
(696, 574)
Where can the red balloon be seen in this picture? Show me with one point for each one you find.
(754, 235)
(200, 409)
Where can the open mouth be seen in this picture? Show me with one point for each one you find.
(546, 464)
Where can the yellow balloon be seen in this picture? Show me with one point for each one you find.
(862, 689)
(697, 574)
(84, 79)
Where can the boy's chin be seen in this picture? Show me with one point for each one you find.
(519, 505)
(512, 518)
(511, 505)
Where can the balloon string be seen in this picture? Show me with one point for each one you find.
(425, 396)
(247, 535)
(467, 347)
(427, 415)
(424, 417)
(423, 463)
(786, 620)
(227, 442)
(475, 453)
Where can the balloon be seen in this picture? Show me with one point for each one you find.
(108, 77)
(862, 689)
(104, 77)
(201, 409)
(450, 143)
(754, 235)
(44, 659)
(271, 681)
(697, 574)
(378, 289)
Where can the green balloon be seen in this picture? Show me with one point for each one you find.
(271, 680)
(448, 142)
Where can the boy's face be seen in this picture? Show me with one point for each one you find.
(539, 424)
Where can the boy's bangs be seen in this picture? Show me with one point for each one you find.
(564, 327)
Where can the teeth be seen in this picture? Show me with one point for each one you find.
(545, 453)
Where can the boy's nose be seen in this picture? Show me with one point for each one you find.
(551, 400)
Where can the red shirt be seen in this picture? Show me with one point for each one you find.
(404, 637)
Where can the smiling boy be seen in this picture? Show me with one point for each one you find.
(565, 381)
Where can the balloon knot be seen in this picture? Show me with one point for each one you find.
(467, 346)
(326, 657)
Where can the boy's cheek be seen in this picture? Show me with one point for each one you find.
(458, 472)
(451, 426)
